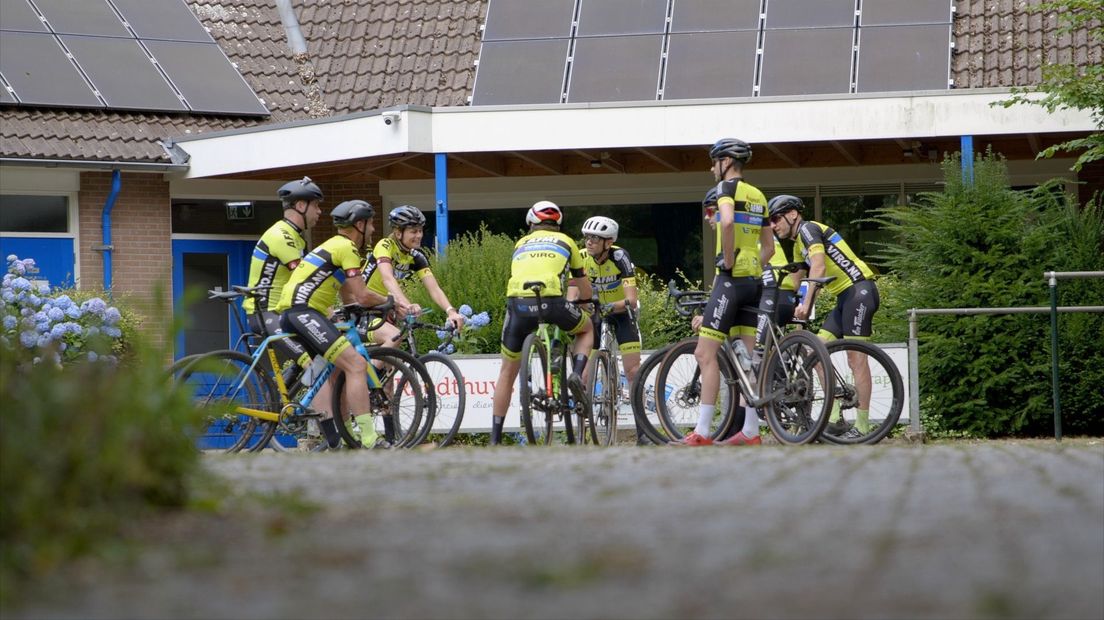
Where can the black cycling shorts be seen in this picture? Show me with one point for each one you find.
(521, 320)
(316, 332)
(732, 304)
(853, 315)
(783, 306)
(286, 348)
(625, 330)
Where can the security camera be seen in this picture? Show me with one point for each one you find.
(391, 117)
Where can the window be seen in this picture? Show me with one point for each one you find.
(214, 217)
(34, 214)
(848, 214)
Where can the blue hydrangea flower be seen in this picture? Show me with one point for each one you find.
(450, 349)
(20, 284)
(34, 300)
(55, 314)
(28, 339)
(26, 312)
(17, 268)
(95, 305)
(465, 310)
(12, 258)
(442, 334)
(112, 316)
(63, 302)
(112, 331)
(482, 319)
(8, 296)
(10, 322)
(58, 331)
(8, 277)
(92, 356)
(73, 312)
(43, 288)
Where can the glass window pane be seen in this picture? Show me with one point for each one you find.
(900, 12)
(806, 62)
(633, 76)
(171, 20)
(205, 77)
(810, 13)
(715, 15)
(34, 214)
(18, 15)
(207, 328)
(529, 19)
(520, 72)
(896, 58)
(123, 74)
(209, 217)
(40, 73)
(82, 17)
(844, 214)
(710, 65)
(606, 17)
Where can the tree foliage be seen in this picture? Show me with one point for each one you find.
(986, 245)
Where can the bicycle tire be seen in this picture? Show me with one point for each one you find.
(578, 407)
(429, 396)
(532, 395)
(406, 402)
(886, 408)
(642, 398)
(602, 387)
(678, 413)
(213, 377)
(797, 370)
(451, 397)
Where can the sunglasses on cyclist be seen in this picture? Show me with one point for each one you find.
(592, 238)
(775, 218)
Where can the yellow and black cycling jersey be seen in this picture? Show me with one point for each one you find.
(750, 206)
(404, 263)
(543, 256)
(319, 276)
(276, 254)
(610, 277)
(839, 260)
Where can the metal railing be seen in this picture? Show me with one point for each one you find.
(1053, 310)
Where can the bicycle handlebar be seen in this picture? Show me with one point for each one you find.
(686, 302)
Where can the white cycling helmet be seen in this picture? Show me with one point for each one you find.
(601, 226)
(544, 211)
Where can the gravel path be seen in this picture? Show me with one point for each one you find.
(963, 530)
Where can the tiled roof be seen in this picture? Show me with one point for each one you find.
(369, 54)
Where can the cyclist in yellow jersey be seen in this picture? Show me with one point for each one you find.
(857, 300)
(399, 257)
(543, 256)
(276, 254)
(745, 244)
(331, 269)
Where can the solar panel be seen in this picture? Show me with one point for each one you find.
(82, 17)
(18, 15)
(899, 12)
(520, 72)
(123, 74)
(529, 19)
(893, 58)
(614, 17)
(714, 15)
(810, 13)
(633, 77)
(5, 96)
(40, 72)
(710, 64)
(205, 77)
(171, 20)
(806, 62)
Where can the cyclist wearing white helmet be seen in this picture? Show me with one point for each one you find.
(542, 256)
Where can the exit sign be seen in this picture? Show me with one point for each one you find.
(239, 210)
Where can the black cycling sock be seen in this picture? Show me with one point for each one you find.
(496, 430)
(578, 363)
(389, 428)
(329, 429)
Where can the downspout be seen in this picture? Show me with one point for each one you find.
(105, 221)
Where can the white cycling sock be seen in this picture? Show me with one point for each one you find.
(751, 422)
(705, 419)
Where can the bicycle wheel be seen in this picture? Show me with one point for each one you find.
(794, 375)
(575, 398)
(680, 382)
(448, 389)
(643, 401)
(602, 387)
(887, 397)
(535, 396)
(402, 396)
(221, 382)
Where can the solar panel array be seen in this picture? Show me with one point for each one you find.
(148, 55)
(567, 51)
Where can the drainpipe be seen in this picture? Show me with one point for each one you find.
(105, 221)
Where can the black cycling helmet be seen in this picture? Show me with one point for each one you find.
(350, 212)
(710, 198)
(405, 216)
(731, 147)
(304, 189)
(783, 203)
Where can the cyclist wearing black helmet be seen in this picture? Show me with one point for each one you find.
(276, 254)
(399, 257)
(744, 245)
(826, 253)
(329, 269)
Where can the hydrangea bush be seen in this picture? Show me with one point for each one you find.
(467, 341)
(51, 325)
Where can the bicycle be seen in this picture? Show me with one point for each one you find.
(546, 395)
(603, 383)
(446, 379)
(642, 397)
(790, 387)
(885, 406)
(238, 392)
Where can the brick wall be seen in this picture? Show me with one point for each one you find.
(336, 193)
(142, 256)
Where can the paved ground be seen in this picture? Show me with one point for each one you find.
(984, 530)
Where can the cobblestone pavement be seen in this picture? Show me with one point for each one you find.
(962, 530)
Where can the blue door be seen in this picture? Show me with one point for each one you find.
(198, 266)
(53, 257)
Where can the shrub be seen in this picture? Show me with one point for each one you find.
(986, 245)
(660, 324)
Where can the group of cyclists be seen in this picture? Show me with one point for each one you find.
(303, 287)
